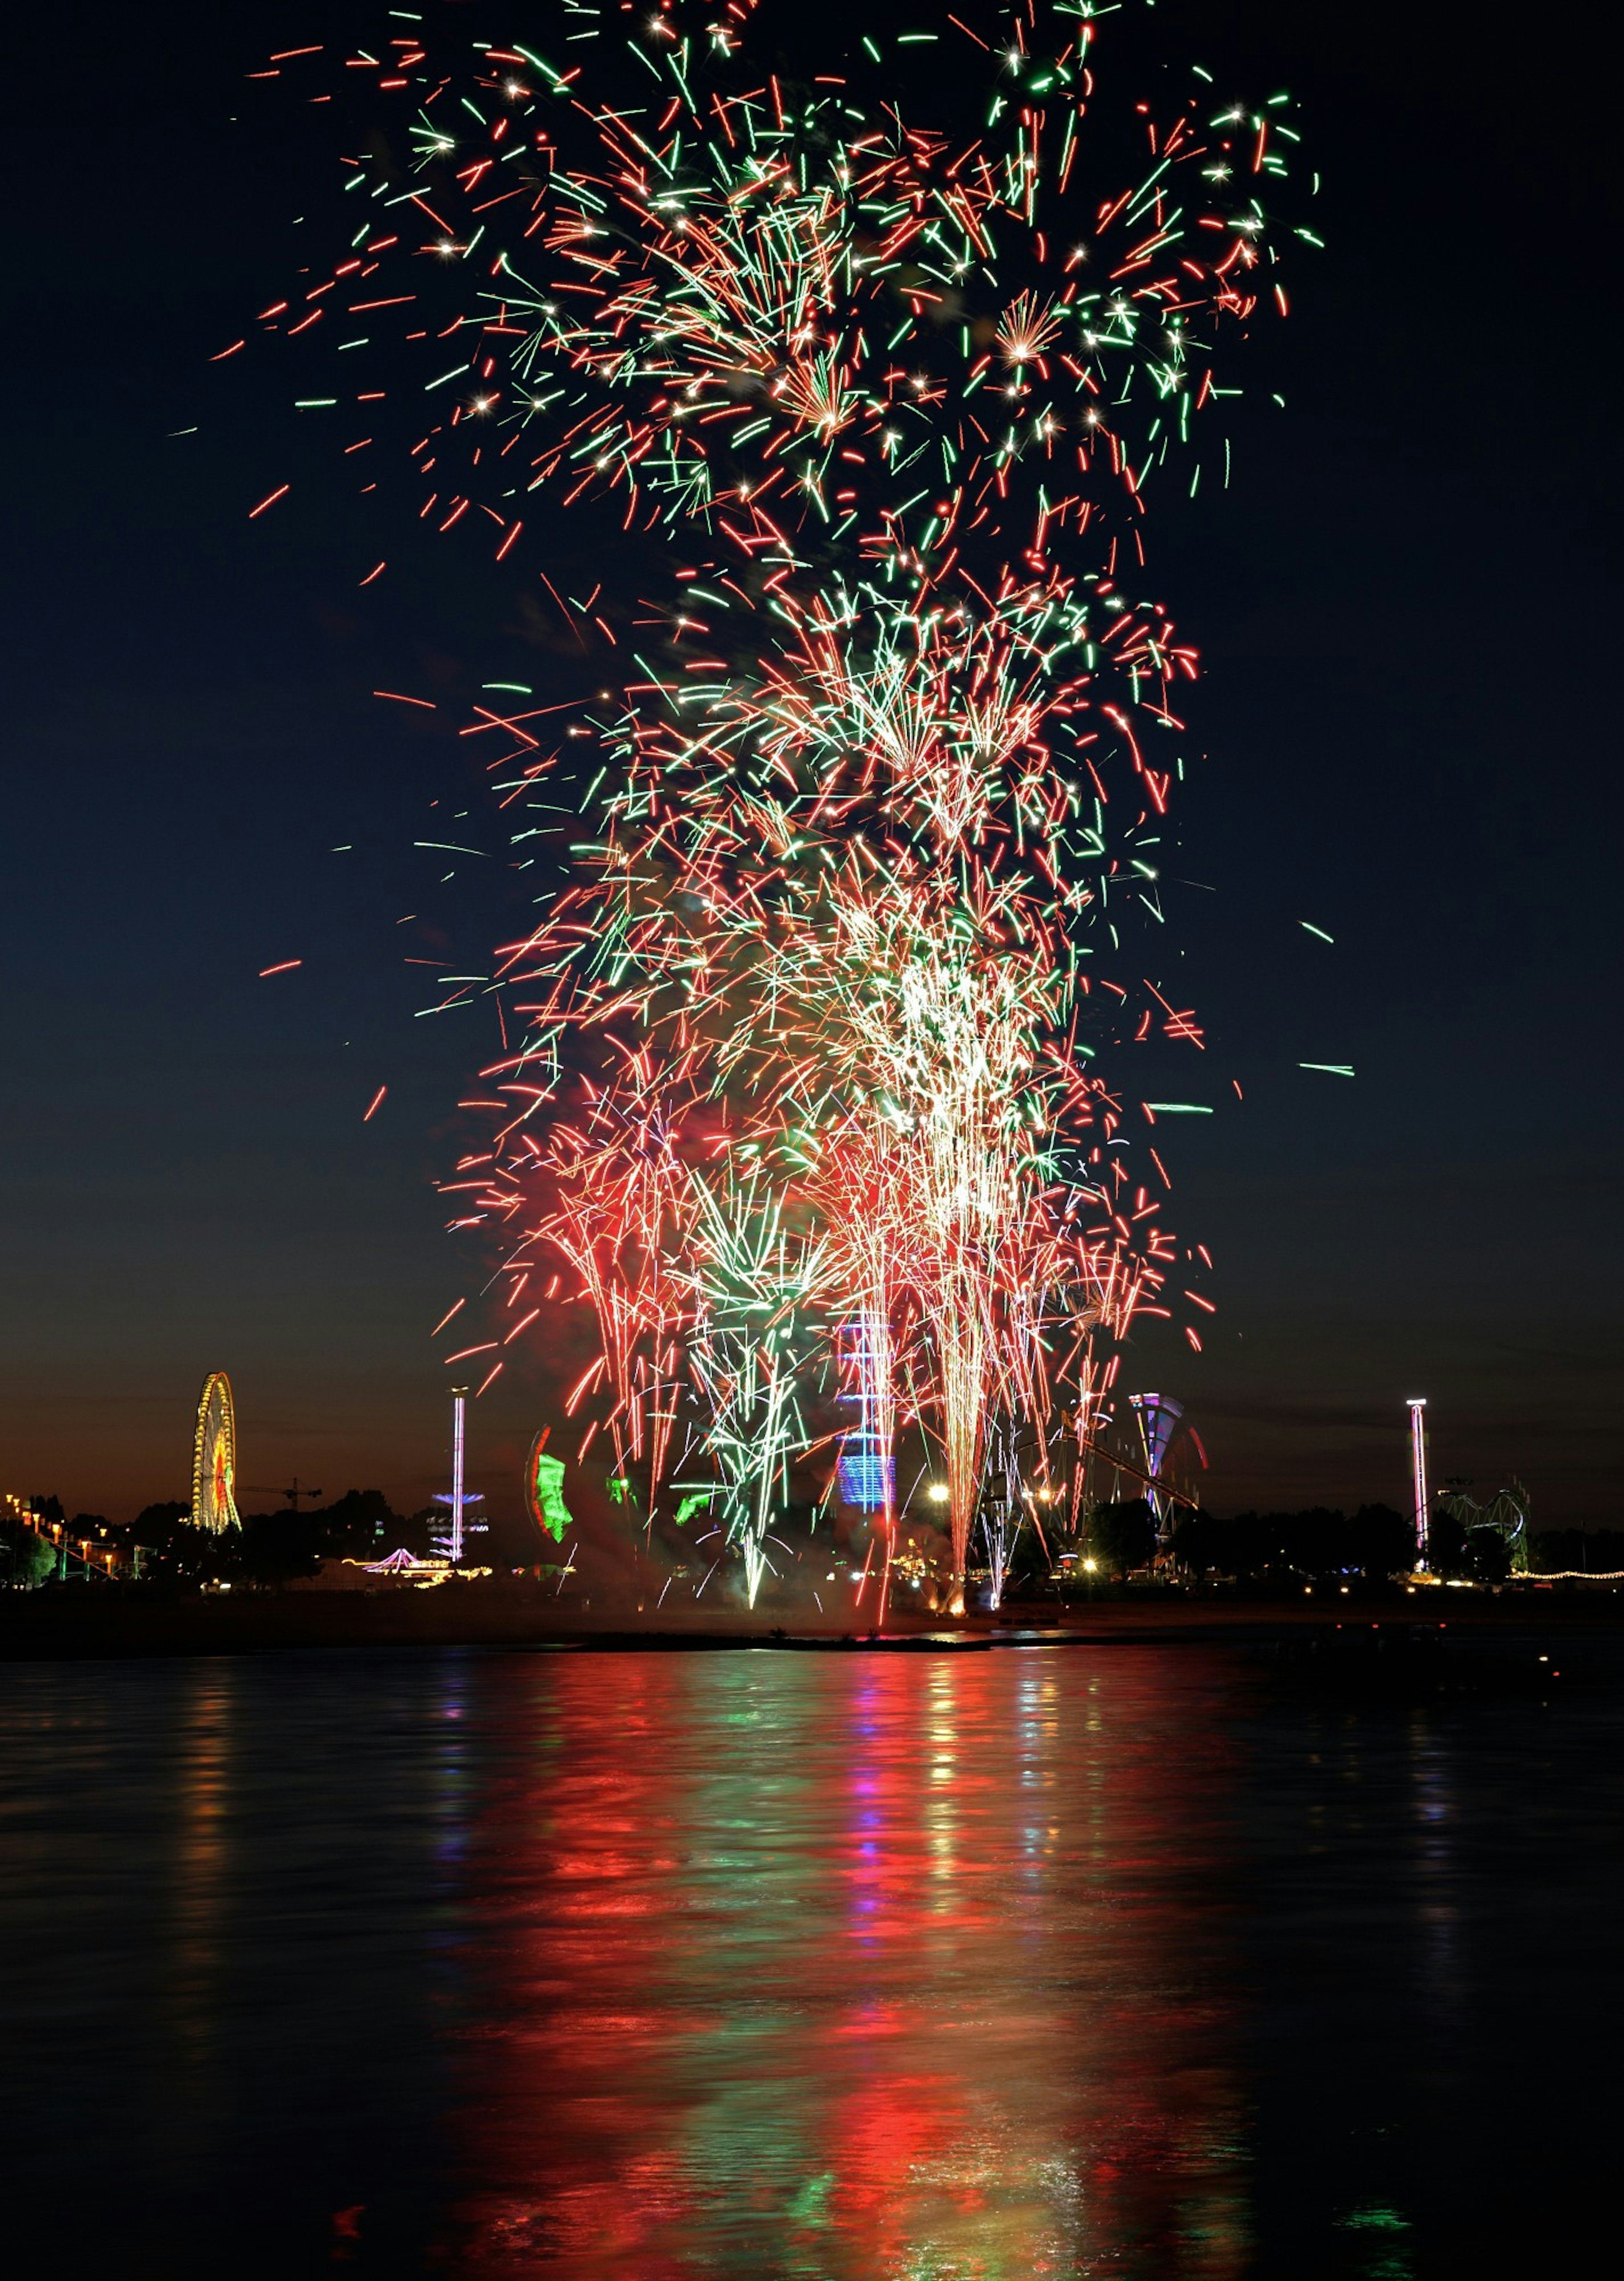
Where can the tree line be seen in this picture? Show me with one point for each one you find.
(1320, 1543)
(270, 1548)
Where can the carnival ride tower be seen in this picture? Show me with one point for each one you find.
(448, 1535)
(866, 1469)
(1418, 1474)
(1158, 1416)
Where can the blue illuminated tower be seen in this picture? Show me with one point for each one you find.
(866, 1470)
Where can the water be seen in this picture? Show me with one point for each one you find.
(855, 1968)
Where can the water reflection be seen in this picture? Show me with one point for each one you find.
(202, 1770)
(843, 1967)
(796, 1967)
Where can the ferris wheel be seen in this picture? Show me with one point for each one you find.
(214, 1457)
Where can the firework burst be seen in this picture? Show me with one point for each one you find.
(811, 1036)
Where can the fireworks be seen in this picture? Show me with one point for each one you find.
(806, 1090)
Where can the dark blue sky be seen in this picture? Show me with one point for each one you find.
(1405, 607)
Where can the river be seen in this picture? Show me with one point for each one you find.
(844, 1966)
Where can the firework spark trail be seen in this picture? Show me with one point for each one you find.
(615, 1200)
(753, 1280)
(722, 297)
(808, 1033)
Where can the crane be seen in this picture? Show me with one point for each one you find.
(293, 1493)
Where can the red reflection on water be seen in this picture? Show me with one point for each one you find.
(852, 1966)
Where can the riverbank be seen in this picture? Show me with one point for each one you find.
(102, 1621)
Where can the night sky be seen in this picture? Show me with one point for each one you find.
(1406, 608)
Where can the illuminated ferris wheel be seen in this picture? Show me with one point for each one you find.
(214, 1457)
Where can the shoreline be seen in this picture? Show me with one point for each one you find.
(62, 1626)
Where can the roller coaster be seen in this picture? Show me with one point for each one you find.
(1506, 1515)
